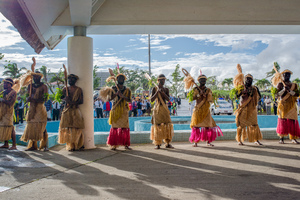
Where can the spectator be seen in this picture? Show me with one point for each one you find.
(56, 110)
(263, 103)
(98, 106)
(21, 109)
(170, 106)
(178, 101)
(268, 105)
(107, 107)
(144, 106)
(130, 109)
(48, 105)
(174, 107)
(134, 107)
(148, 107)
(139, 107)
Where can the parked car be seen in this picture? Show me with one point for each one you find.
(221, 107)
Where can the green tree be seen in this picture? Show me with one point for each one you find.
(58, 78)
(1, 56)
(177, 82)
(263, 84)
(135, 78)
(297, 80)
(12, 70)
(272, 72)
(212, 82)
(45, 73)
(96, 80)
(227, 82)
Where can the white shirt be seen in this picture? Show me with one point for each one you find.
(56, 105)
(21, 104)
(98, 104)
(268, 102)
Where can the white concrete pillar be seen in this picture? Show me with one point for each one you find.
(80, 63)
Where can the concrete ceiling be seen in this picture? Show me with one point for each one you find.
(52, 20)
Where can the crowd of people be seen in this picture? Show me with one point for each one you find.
(139, 106)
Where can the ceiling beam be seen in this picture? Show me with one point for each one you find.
(96, 5)
(81, 11)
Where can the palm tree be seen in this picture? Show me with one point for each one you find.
(12, 70)
(272, 72)
(228, 82)
(263, 83)
(58, 78)
(44, 71)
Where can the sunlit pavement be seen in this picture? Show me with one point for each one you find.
(225, 171)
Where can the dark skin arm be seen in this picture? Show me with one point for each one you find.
(165, 95)
(41, 99)
(119, 93)
(69, 98)
(12, 99)
(280, 87)
(258, 92)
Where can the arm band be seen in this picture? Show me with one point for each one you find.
(292, 93)
(281, 92)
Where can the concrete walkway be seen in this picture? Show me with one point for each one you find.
(226, 171)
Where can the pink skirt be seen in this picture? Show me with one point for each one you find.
(288, 126)
(205, 134)
(119, 136)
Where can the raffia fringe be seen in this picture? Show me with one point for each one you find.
(161, 132)
(72, 136)
(34, 131)
(5, 132)
(251, 132)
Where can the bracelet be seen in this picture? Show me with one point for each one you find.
(292, 93)
(281, 92)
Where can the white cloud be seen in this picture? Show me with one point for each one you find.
(8, 37)
(156, 48)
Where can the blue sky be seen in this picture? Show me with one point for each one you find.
(214, 54)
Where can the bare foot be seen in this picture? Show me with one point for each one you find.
(281, 142)
(157, 147)
(128, 148)
(13, 148)
(113, 148)
(240, 143)
(295, 141)
(195, 145)
(46, 149)
(209, 144)
(31, 149)
(257, 143)
(4, 147)
(169, 146)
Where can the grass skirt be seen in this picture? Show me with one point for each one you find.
(252, 132)
(288, 126)
(5, 132)
(119, 136)
(205, 134)
(162, 132)
(72, 136)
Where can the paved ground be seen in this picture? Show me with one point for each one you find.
(226, 171)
